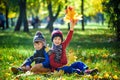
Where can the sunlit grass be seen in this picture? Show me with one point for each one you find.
(92, 46)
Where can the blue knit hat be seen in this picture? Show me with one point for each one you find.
(39, 37)
(56, 32)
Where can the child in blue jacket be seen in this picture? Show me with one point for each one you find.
(40, 57)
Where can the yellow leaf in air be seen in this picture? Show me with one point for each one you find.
(71, 15)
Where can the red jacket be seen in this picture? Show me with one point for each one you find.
(63, 60)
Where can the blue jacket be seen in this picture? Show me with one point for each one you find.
(39, 56)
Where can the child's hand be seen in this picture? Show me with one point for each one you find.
(71, 14)
(27, 68)
(72, 24)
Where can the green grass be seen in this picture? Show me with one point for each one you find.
(91, 46)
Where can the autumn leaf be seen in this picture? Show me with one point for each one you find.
(106, 75)
(38, 78)
(58, 73)
(71, 15)
(71, 57)
(115, 77)
(47, 48)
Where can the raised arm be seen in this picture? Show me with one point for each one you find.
(70, 33)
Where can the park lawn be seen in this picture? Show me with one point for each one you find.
(94, 47)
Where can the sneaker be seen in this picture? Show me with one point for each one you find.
(79, 72)
(91, 72)
(94, 72)
(15, 70)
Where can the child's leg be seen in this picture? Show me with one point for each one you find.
(66, 69)
(84, 68)
(38, 68)
(70, 70)
(79, 65)
(15, 70)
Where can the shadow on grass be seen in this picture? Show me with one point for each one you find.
(14, 41)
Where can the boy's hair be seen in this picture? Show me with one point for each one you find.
(39, 37)
(55, 33)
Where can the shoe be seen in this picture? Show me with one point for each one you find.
(91, 72)
(94, 72)
(15, 70)
(79, 72)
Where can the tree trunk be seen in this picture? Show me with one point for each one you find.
(52, 18)
(7, 9)
(19, 21)
(50, 25)
(25, 22)
(82, 12)
(118, 26)
(22, 17)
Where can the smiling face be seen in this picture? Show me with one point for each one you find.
(57, 40)
(38, 45)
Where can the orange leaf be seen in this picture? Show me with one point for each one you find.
(71, 14)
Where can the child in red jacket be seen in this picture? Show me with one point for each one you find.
(57, 53)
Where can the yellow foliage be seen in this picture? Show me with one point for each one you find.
(60, 78)
(47, 48)
(11, 15)
(1, 58)
(7, 74)
(38, 78)
(58, 73)
(28, 73)
(10, 58)
(71, 15)
(106, 75)
(95, 77)
(115, 77)
(105, 55)
(71, 57)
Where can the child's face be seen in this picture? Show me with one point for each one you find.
(38, 45)
(57, 40)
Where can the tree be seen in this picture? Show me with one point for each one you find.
(51, 16)
(82, 12)
(6, 10)
(112, 8)
(22, 17)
